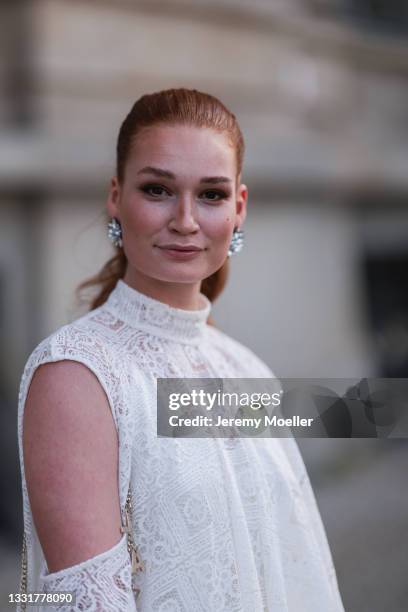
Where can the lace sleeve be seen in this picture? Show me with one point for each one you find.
(100, 584)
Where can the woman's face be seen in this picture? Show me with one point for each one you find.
(179, 190)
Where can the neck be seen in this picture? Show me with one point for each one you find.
(178, 295)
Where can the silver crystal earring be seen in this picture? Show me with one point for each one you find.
(237, 242)
(115, 232)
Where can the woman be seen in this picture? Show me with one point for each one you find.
(213, 524)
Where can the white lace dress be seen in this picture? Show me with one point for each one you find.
(221, 525)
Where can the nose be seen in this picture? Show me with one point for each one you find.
(184, 217)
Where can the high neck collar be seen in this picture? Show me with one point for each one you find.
(144, 312)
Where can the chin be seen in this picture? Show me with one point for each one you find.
(182, 276)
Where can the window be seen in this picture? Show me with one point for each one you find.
(387, 302)
(384, 15)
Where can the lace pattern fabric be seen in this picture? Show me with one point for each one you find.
(222, 525)
(101, 584)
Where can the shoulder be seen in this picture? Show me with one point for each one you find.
(86, 353)
(250, 364)
(63, 396)
(85, 337)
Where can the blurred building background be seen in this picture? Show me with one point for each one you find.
(320, 88)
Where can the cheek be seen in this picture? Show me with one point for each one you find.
(142, 219)
(219, 226)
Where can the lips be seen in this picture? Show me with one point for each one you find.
(178, 247)
(178, 252)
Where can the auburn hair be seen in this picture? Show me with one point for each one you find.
(174, 107)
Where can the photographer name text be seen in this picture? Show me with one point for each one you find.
(267, 421)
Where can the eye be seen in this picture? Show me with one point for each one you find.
(157, 191)
(214, 195)
(154, 190)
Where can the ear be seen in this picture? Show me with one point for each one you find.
(113, 200)
(241, 205)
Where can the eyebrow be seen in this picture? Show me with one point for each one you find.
(167, 174)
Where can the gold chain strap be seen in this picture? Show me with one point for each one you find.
(23, 582)
(137, 563)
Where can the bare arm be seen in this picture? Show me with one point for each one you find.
(70, 451)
